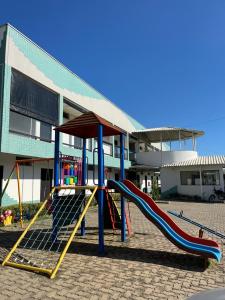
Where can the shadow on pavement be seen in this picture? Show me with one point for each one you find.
(121, 252)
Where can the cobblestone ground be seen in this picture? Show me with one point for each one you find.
(147, 266)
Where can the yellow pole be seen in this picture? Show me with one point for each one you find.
(19, 194)
(28, 227)
(73, 234)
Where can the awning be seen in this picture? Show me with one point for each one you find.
(166, 134)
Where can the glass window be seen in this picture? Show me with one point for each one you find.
(89, 144)
(210, 177)
(45, 131)
(190, 177)
(20, 123)
(78, 142)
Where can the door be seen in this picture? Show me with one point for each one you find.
(46, 183)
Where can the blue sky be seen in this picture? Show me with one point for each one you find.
(163, 62)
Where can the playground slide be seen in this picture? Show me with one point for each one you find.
(180, 241)
(166, 217)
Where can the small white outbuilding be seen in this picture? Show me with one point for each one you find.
(194, 177)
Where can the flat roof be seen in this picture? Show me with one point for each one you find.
(165, 134)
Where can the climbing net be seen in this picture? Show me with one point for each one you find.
(44, 242)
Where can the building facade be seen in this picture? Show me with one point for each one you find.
(38, 93)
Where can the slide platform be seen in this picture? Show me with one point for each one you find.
(168, 227)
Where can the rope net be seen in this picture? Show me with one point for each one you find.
(50, 232)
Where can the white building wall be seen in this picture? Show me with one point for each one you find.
(30, 183)
(170, 177)
(30, 179)
(159, 158)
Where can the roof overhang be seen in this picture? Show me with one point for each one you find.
(215, 160)
(166, 134)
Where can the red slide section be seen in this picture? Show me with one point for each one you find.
(166, 218)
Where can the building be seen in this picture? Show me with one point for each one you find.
(37, 93)
(195, 177)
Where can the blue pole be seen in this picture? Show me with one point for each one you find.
(100, 191)
(56, 183)
(83, 181)
(56, 159)
(122, 177)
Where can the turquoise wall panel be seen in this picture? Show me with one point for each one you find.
(49, 66)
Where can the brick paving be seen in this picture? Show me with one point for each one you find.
(147, 266)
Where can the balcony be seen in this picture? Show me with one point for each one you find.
(160, 158)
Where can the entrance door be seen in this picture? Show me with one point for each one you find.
(46, 183)
(1, 178)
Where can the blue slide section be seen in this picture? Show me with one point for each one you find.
(179, 241)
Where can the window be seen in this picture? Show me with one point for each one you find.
(190, 177)
(27, 126)
(21, 123)
(78, 142)
(210, 177)
(30, 98)
(45, 131)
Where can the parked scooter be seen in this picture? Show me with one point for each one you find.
(217, 196)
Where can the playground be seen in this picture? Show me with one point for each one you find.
(111, 240)
(147, 266)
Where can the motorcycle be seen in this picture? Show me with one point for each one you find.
(217, 196)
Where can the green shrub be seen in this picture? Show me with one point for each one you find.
(155, 189)
(28, 209)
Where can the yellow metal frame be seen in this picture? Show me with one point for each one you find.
(51, 272)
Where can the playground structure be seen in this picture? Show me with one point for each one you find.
(68, 204)
(70, 170)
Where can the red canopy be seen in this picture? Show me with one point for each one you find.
(86, 126)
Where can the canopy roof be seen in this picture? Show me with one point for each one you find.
(86, 126)
(165, 134)
(218, 160)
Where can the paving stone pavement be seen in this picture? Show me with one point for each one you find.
(147, 266)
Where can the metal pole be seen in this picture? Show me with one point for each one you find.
(83, 181)
(201, 187)
(56, 183)
(161, 147)
(100, 191)
(122, 177)
(19, 194)
(56, 159)
(179, 140)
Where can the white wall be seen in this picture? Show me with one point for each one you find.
(158, 158)
(170, 177)
(30, 183)
(30, 179)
